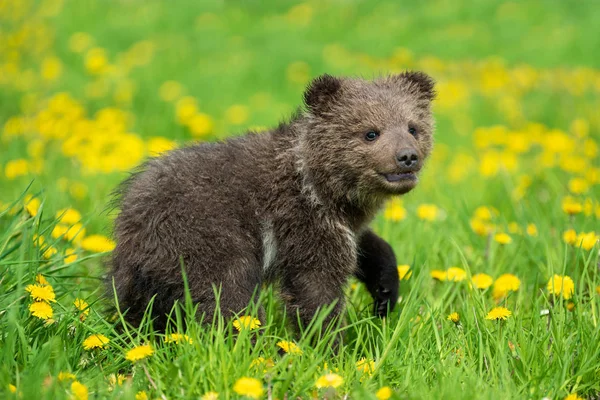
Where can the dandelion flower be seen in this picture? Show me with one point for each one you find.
(329, 380)
(404, 272)
(12, 388)
(394, 211)
(79, 391)
(587, 240)
(502, 238)
(290, 347)
(573, 396)
(482, 281)
(68, 216)
(32, 205)
(504, 284)
(564, 285)
(210, 396)
(456, 274)
(261, 362)
(454, 317)
(428, 212)
(66, 376)
(532, 230)
(95, 341)
(81, 305)
(41, 280)
(571, 206)
(41, 310)
(116, 380)
(178, 338)
(70, 256)
(439, 275)
(384, 393)
(142, 395)
(498, 313)
(250, 387)
(97, 244)
(365, 366)
(570, 236)
(246, 322)
(139, 353)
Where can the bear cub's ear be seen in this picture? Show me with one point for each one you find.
(423, 83)
(321, 92)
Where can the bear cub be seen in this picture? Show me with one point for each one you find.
(289, 206)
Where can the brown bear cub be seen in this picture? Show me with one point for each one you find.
(289, 206)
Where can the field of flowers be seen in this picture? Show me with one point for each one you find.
(498, 246)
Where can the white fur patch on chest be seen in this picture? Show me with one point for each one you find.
(269, 245)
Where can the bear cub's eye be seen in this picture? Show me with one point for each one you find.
(371, 135)
(412, 130)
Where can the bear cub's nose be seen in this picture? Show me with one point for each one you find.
(407, 158)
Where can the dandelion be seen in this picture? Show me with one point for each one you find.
(504, 284)
(394, 211)
(246, 322)
(502, 238)
(79, 391)
(139, 353)
(200, 124)
(532, 230)
(365, 366)
(66, 376)
(68, 216)
(384, 393)
(578, 185)
(32, 205)
(329, 380)
(404, 272)
(454, 317)
(498, 313)
(428, 212)
(41, 310)
(570, 237)
(570, 306)
(564, 285)
(456, 274)
(95, 341)
(485, 213)
(439, 275)
(210, 396)
(178, 338)
(70, 256)
(571, 206)
(16, 168)
(12, 388)
(39, 278)
(290, 347)
(250, 387)
(587, 240)
(482, 281)
(97, 244)
(41, 293)
(259, 362)
(573, 396)
(142, 395)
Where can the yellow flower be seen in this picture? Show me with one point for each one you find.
(41, 293)
(185, 109)
(210, 396)
(177, 338)
(570, 236)
(95, 61)
(404, 272)
(480, 227)
(394, 211)
(564, 285)
(570, 306)
(578, 186)
(41, 310)
(384, 393)
(502, 238)
(237, 114)
(290, 347)
(482, 281)
(262, 362)
(139, 353)
(598, 289)
(428, 212)
(32, 205)
(532, 230)
(51, 68)
(573, 396)
(97, 244)
(250, 387)
(68, 216)
(454, 317)
(39, 278)
(329, 380)
(485, 213)
(70, 256)
(365, 366)
(498, 313)
(81, 305)
(12, 388)
(158, 145)
(456, 274)
(95, 341)
(439, 275)
(66, 376)
(246, 322)
(142, 395)
(16, 168)
(116, 380)
(571, 206)
(48, 252)
(200, 124)
(79, 391)
(587, 240)
(504, 284)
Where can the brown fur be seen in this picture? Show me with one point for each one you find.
(297, 198)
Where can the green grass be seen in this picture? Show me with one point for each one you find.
(497, 64)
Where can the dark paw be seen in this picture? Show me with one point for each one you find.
(385, 302)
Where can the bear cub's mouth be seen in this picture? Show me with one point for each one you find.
(402, 176)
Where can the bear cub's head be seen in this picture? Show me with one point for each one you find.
(368, 138)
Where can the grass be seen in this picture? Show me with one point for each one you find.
(517, 133)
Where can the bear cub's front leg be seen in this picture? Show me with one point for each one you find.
(378, 269)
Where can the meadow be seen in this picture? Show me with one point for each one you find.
(497, 246)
